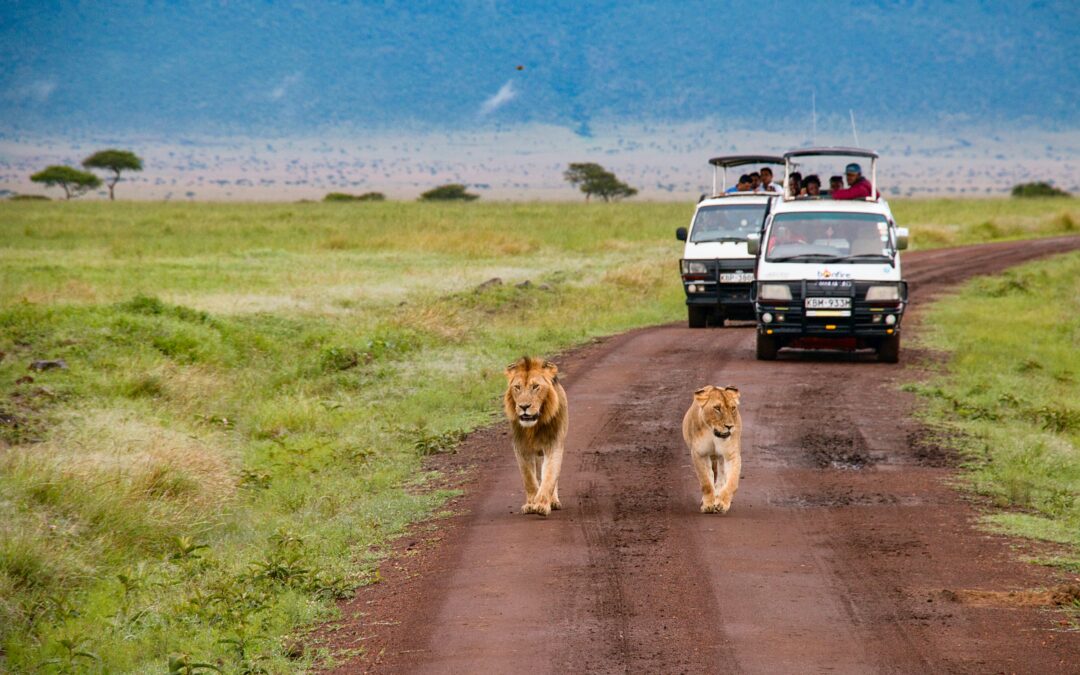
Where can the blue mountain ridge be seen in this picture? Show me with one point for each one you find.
(278, 68)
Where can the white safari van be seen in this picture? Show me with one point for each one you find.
(717, 269)
(828, 270)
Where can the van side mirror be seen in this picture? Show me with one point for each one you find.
(901, 238)
(753, 243)
(680, 233)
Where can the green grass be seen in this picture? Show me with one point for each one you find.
(954, 222)
(1009, 395)
(252, 388)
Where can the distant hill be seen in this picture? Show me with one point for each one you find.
(261, 68)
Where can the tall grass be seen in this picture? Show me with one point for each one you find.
(251, 389)
(1010, 395)
(943, 222)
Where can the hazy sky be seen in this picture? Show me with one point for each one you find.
(285, 68)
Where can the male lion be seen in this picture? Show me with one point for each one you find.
(535, 404)
(712, 429)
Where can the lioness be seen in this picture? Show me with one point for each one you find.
(712, 429)
(535, 404)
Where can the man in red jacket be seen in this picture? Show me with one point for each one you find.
(858, 187)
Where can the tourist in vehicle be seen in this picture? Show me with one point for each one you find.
(755, 182)
(795, 183)
(858, 187)
(811, 186)
(836, 183)
(744, 185)
(784, 236)
(767, 184)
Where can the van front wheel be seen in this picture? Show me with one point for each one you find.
(697, 316)
(767, 347)
(889, 349)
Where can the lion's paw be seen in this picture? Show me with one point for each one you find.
(708, 508)
(528, 508)
(556, 505)
(723, 504)
(542, 508)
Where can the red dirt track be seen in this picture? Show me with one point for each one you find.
(845, 550)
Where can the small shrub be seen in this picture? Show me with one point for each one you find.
(427, 443)
(151, 306)
(1059, 420)
(346, 197)
(1064, 222)
(451, 192)
(28, 198)
(143, 386)
(341, 358)
(1037, 189)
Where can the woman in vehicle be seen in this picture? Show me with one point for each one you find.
(811, 186)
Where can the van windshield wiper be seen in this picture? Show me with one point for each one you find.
(737, 240)
(819, 257)
(869, 256)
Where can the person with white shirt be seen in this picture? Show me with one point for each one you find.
(767, 184)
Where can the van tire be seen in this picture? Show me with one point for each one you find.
(889, 349)
(697, 317)
(767, 347)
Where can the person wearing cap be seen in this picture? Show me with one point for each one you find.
(858, 187)
(767, 184)
(744, 185)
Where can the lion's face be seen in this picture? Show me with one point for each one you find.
(530, 390)
(719, 408)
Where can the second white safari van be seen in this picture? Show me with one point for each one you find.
(717, 269)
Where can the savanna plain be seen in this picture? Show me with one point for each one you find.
(249, 391)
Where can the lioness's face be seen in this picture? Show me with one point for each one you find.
(719, 407)
(529, 384)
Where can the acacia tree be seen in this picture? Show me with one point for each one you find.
(115, 161)
(73, 181)
(593, 179)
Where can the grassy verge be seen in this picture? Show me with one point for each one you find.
(250, 391)
(953, 222)
(1009, 396)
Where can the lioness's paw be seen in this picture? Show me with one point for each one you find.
(542, 508)
(723, 503)
(706, 507)
(527, 508)
(556, 505)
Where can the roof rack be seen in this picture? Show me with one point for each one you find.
(834, 152)
(726, 161)
(846, 152)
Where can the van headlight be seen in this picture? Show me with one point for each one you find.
(883, 294)
(774, 292)
(694, 267)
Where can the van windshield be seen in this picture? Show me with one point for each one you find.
(727, 223)
(829, 237)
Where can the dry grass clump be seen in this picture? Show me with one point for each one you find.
(137, 458)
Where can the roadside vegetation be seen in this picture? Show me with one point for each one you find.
(247, 393)
(935, 223)
(1008, 397)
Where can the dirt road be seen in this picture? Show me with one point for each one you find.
(845, 550)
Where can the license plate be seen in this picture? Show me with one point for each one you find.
(828, 303)
(736, 277)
